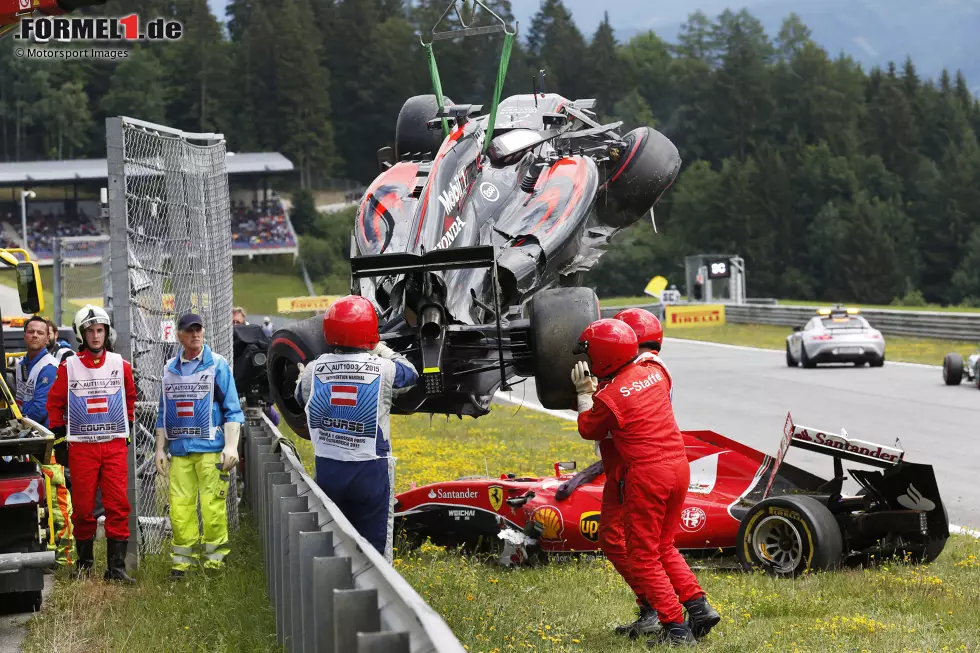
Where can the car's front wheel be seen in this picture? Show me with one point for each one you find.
(558, 317)
(790, 361)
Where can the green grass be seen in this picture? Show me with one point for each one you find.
(84, 284)
(226, 612)
(910, 350)
(566, 607)
(256, 292)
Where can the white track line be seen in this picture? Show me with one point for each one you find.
(533, 405)
(780, 351)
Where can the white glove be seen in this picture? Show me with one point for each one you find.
(384, 351)
(584, 382)
(229, 456)
(301, 368)
(161, 459)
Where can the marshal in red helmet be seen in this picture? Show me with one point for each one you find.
(347, 393)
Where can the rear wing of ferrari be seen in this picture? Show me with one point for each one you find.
(837, 445)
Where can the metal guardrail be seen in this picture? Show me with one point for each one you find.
(891, 322)
(922, 324)
(332, 591)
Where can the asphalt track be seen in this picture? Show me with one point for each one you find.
(745, 393)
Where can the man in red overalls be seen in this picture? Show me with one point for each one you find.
(93, 403)
(633, 405)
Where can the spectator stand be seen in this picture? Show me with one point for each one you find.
(67, 205)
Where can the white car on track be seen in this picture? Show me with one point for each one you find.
(835, 335)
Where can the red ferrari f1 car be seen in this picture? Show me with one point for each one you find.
(771, 514)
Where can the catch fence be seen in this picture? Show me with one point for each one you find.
(170, 254)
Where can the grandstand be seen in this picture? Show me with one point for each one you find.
(67, 204)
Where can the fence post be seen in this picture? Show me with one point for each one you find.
(383, 643)
(276, 491)
(354, 611)
(289, 506)
(284, 503)
(297, 522)
(56, 282)
(328, 574)
(121, 317)
(318, 544)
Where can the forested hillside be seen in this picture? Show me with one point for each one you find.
(831, 181)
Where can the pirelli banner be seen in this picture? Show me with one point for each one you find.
(694, 315)
(305, 304)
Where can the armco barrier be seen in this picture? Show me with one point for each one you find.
(332, 591)
(922, 324)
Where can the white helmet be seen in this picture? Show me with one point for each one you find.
(88, 316)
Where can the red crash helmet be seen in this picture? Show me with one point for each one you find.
(609, 344)
(645, 325)
(351, 322)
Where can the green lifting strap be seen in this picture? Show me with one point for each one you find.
(436, 84)
(498, 89)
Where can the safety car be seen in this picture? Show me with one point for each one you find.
(835, 335)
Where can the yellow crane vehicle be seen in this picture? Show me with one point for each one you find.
(25, 491)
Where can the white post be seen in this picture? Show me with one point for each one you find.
(23, 217)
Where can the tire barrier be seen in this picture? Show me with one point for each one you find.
(331, 590)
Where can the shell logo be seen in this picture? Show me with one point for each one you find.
(550, 520)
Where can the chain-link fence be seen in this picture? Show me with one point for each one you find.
(170, 230)
(79, 273)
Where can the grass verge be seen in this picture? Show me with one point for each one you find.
(227, 612)
(910, 350)
(572, 607)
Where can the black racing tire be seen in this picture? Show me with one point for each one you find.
(790, 361)
(804, 359)
(799, 533)
(860, 363)
(648, 166)
(558, 317)
(412, 136)
(877, 362)
(301, 342)
(952, 369)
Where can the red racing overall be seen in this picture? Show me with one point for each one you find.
(98, 425)
(635, 408)
(612, 526)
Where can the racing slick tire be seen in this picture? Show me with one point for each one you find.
(789, 535)
(558, 317)
(877, 362)
(650, 163)
(301, 342)
(953, 369)
(790, 361)
(412, 135)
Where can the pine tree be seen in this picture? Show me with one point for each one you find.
(138, 88)
(603, 68)
(302, 94)
(556, 46)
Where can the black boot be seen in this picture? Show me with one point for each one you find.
(116, 561)
(647, 623)
(701, 617)
(675, 634)
(85, 557)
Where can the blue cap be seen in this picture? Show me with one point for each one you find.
(189, 320)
